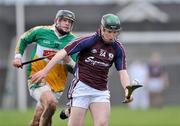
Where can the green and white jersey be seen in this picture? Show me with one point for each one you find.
(47, 42)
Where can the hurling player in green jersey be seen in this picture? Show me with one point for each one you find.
(48, 40)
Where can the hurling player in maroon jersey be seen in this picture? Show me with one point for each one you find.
(89, 89)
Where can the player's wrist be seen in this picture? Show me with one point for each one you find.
(18, 56)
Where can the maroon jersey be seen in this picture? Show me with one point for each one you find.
(95, 57)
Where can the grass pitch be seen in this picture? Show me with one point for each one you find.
(120, 116)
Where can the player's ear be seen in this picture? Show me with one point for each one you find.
(55, 20)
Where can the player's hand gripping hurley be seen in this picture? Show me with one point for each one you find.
(134, 85)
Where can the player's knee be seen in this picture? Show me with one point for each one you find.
(52, 105)
(50, 108)
(38, 113)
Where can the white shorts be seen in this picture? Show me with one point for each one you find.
(36, 90)
(83, 95)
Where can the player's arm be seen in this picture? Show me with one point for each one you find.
(25, 39)
(37, 77)
(121, 66)
(125, 81)
(124, 78)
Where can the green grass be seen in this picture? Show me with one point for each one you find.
(120, 116)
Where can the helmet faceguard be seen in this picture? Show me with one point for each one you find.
(64, 14)
(111, 22)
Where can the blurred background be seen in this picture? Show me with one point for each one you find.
(149, 27)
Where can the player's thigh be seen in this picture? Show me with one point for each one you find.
(48, 97)
(100, 112)
(77, 116)
(44, 94)
(36, 90)
(79, 106)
